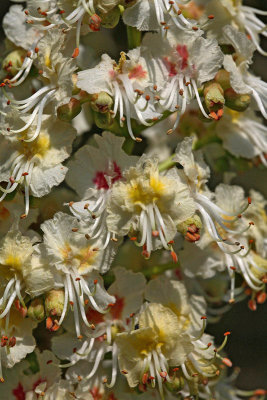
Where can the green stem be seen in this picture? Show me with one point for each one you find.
(134, 37)
(167, 164)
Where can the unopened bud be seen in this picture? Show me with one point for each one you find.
(94, 23)
(13, 62)
(101, 102)
(54, 303)
(176, 384)
(185, 226)
(223, 78)
(214, 96)
(235, 101)
(36, 310)
(111, 19)
(103, 120)
(105, 6)
(67, 112)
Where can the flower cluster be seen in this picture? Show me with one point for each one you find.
(123, 228)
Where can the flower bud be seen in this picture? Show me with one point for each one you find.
(103, 120)
(94, 23)
(110, 19)
(68, 111)
(176, 384)
(214, 96)
(184, 227)
(101, 102)
(13, 61)
(235, 101)
(36, 310)
(105, 6)
(223, 78)
(54, 303)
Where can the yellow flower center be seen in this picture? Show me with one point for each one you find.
(148, 191)
(118, 67)
(37, 148)
(47, 58)
(12, 265)
(83, 259)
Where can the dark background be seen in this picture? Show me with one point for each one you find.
(247, 345)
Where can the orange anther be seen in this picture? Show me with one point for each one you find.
(75, 52)
(227, 362)
(174, 257)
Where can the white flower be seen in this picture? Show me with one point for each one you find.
(18, 384)
(48, 14)
(17, 31)
(36, 164)
(243, 135)
(158, 343)
(15, 254)
(186, 60)
(128, 82)
(169, 334)
(76, 262)
(242, 17)
(214, 216)
(92, 174)
(10, 212)
(56, 74)
(150, 15)
(128, 291)
(242, 81)
(149, 204)
(208, 257)
(16, 339)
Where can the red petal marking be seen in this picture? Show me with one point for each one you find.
(19, 393)
(100, 177)
(95, 393)
(183, 53)
(116, 310)
(137, 72)
(170, 66)
(94, 316)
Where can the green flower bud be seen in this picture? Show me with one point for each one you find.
(36, 310)
(223, 78)
(111, 19)
(54, 303)
(176, 384)
(235, 101)
(194, 220)
(101, 102)
(13, 61)
(103, 120)
(105, 6)
(214, 96)
(67, 112)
